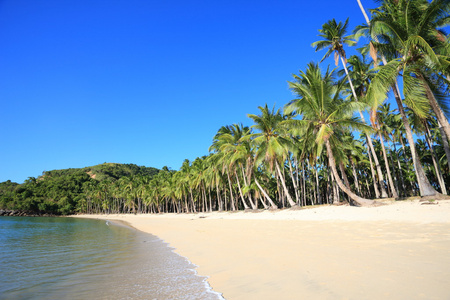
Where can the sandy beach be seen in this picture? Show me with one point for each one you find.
(396, 251)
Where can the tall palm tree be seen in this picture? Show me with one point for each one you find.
(334, 40)
(272, 143)
(324, 116)
(224, 141)
(231, 147)
(403, 36)
(361, 73)
(188, 180)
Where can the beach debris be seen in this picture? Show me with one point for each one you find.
(429, 203)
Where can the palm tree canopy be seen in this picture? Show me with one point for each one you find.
(334, 39)
(409, 34)
(271, 140)
(323, 112)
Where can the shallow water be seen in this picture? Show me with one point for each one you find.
(66, 258)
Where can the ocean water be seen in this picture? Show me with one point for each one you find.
(68, 258)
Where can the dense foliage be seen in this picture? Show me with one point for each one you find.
(318, 149)
(64, 191)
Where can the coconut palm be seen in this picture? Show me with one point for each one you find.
(407, 37)
(224, 141)
(422, 126)
(272, 143)
(413, 32)
(334, 40)
(324, 116)
(361, 73)
(231, 147)
(186, 170)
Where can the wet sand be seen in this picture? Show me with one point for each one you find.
(398, 251)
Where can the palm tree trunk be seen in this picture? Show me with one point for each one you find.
(253, 205)
(233, 208)
(442, 119)
(319, 197)
(445, 143)
(262, 201)
(374, 177)
(192, 200)
(280, 193)
(426, 189)
(354, 197)
(367, 185)
(298, 182)
(186, 203)
(210, 199)
(388, 170)
(304, 184)
(334, 190)
(402, 178)
(355, 176)
(291, 172)
(344, 175)
(363, 12)
(265, 195)
(240, 191)
(369, 139)
(329, 186)
(283, 183)
(437, 168)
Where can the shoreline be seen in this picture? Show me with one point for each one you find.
(126, 224)
(397, 251)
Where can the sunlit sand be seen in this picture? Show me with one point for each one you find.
(398, 251)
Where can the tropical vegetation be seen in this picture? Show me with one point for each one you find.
(340, 140)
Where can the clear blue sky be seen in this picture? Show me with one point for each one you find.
(143, 81)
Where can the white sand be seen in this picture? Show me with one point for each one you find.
(398, 251)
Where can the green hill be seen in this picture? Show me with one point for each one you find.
(63, 191)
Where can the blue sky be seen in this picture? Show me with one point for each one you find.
(144, 82)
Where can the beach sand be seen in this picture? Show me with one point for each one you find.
(397, 251)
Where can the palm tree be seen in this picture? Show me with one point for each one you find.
(223, 138)
(230, 146)
(272, 143)
(324, 117)
(186, 170)
(242, 158)
(334, 39)
(216, 177)
(422, 126)
(404, 36)
(363, 11)
(361, 73)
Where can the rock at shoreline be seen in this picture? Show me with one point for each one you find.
(18, 213)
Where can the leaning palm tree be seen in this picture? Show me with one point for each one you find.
(333, 39)
(324, 117)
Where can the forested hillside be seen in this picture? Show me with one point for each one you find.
(65, 191)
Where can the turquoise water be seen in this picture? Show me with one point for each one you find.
(66, 258)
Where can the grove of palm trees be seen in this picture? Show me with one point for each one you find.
(367, 127)
(340, 140)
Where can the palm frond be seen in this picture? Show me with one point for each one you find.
(383, 82)
(415, 94)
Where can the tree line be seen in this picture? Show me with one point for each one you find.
(65, 191)
(338, 141)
